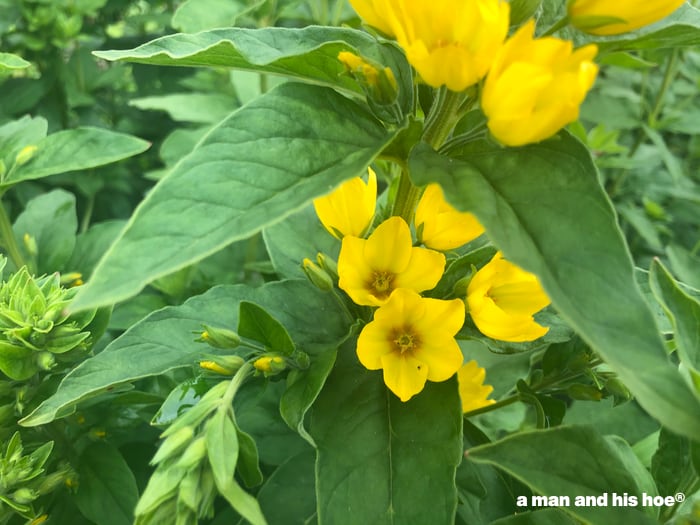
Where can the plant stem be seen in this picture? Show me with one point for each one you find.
(407, 196)
(442, 117)
(669, 74)
(495, 406)
(238, 379)
(562, 22)
(7, 238)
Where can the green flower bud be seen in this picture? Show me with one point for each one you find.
(194, 454)
(220, 337)
(226, 365)
(25, 154)
(270, 365)
(45, 360)
(24, 495)
(317, 276)
(30, 245)
(328, 264)
(173, 444)
(584, 392)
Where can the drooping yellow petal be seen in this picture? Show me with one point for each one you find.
(374, 13)
(502, 300)
(536, 86)
(472, 391)
(404, 375)
(603, 17)
(349, 209)
(441, 226)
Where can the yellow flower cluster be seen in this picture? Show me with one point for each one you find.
(412, 338)
(533, 86)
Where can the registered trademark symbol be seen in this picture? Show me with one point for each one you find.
(680, 497)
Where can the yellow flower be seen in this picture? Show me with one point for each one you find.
(472, 390)
(269, 364)
(603, 17)
(502, 299)
(371, 269)
(412, 339)
(378, 82)
(374, 13)
(440, 226)
(535, 86)
(349, 209)
(449, 42)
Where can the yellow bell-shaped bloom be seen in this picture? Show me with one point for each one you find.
(535, 86)
(603, 17)
(349, 209)
(472, 390)
(412, 339)
(370, 270)
(450, 42)
(440, 226)
(502, 300)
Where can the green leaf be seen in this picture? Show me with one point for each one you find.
(248, 466)
(8, 61)
(684, 313)
(51, 220)
(298, 236)
(568, 461)
(189, 107)
(288, 497)
(257, 324)
(540, 517)
(309, 54)
(303, 387)
(672, 463)
(164, 340)
(267, 160)
(20, 133)
(245, 504)
(76, 149)
(193, 16)
(544, 207)
(107, 493)
(380, 460)
(222, 447)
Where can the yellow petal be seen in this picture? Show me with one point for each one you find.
(442, 357)
(423, 271)
(349, 209)
(591, 15)
(373, 344)
(404, 375)
(354, 272)
(472, 391)
(389, 247)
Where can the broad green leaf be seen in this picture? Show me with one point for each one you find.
(189, 107)
(684, 265)
(382, 461)
(684, 312)
(672, 463)
(265, 161)
(164, 340)
(75, 149)
(288, 496)
(19, 133)
(90, 245)
(107, 493)
(245, 504)
(568, 461)
(309, 54)
(248, 466)
(539, 517)
(8, 61)
(544, 207)
(303, 387)
(255, 323)
(193, 16)
(299, 236)
(50, 219)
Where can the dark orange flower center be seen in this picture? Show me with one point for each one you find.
(381, 284)
(405, 341)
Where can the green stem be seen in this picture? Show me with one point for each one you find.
(8, 240)
(87, 215)
(495, 406)
(238, 379)
(407, 196)
(669, 74)
(443, 116)
(559, 24)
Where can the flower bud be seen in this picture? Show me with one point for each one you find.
(195, 452)
(270, 365)
(328, 264)
(220, 337)
(317, 276)
(24, 495)
(225, 365)
(584, 392)
(25, 155)
(378, 82)
(173, 444)
(45, 360)
(30, 244)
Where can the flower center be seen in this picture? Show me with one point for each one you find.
(405, 341)
(381, 283)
